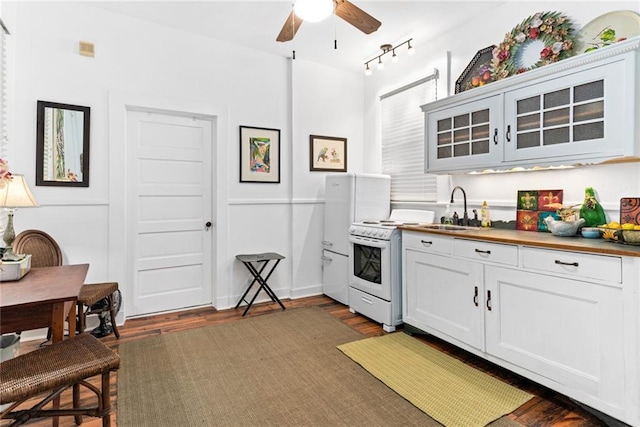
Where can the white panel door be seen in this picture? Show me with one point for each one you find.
(169, 210)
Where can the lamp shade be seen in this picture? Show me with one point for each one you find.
(313, 10)
(16, 194)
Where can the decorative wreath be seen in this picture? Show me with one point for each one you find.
(553, 29)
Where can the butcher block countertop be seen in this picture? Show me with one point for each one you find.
(539, 239)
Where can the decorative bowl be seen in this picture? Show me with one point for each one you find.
(563, 228)
(628, 237)
(590, 232)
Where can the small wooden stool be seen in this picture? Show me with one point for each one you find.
(264, 258)
(53, 369)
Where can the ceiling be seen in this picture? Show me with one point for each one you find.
(255, 25)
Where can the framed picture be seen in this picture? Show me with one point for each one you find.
(478, 72)
(259, 155)
(328, 153)
(62, 145)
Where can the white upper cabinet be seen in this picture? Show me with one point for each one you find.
(465, 135)
(579, 110)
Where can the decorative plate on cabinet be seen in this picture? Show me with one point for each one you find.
(606, 30)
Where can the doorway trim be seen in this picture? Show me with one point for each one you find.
(119, 103)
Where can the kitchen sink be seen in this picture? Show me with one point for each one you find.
(446, 227)
(452, 227)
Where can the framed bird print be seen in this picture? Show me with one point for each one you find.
(327, 154)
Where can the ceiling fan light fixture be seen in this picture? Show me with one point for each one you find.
(313, 10)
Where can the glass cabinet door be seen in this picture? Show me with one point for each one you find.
(567, 117)
(464, 136)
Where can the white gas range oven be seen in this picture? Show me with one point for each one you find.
(375, 266)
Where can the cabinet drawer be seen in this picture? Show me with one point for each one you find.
(600, 267)
(427, 242)
(485, 251)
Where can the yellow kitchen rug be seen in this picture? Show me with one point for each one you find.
(453, 393)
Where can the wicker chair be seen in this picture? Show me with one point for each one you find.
(45, 252)
(53, 369)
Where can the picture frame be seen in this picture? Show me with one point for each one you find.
(259, 155)
(62, 144)
(327, 153)
(478, 71)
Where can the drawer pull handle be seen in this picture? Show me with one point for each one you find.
(426, 242)
(366, 300)
(573, 264)
(495, 136)
(480, 251)
(509, 133)
(475, 296)
(489, 300)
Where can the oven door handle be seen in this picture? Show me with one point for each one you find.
(374, 243)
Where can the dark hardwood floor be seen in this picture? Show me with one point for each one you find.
(547, 408)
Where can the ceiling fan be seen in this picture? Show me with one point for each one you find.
(342, 8)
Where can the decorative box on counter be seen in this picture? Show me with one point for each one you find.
(15, 270)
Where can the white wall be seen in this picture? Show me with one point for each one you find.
(140, 60)
(134, 58)
(610, 182)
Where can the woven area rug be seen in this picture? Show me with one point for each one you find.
(455, 394)
(278, 369)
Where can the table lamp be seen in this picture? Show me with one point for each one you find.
(15, 194)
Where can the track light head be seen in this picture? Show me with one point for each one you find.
(367, 70)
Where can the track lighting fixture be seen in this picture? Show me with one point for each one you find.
(386, 48)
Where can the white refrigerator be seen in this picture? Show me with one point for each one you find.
(349, 198)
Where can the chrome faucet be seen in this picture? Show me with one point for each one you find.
(465, 218)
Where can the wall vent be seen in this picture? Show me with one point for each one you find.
(87, 49)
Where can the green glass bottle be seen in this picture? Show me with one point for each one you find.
(591, 209)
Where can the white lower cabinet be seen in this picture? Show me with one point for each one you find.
(563, 319)
(567, 332)
(446, 298)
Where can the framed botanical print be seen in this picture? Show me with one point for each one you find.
(259, 155)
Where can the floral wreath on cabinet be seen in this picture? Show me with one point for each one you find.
(553, 30)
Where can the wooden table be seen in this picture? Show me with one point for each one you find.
(44, 298)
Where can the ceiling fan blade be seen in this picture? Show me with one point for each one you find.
(289, 28)
(356, 16)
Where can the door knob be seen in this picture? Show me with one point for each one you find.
(208, 225)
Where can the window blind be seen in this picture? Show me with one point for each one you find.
(403, 141)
